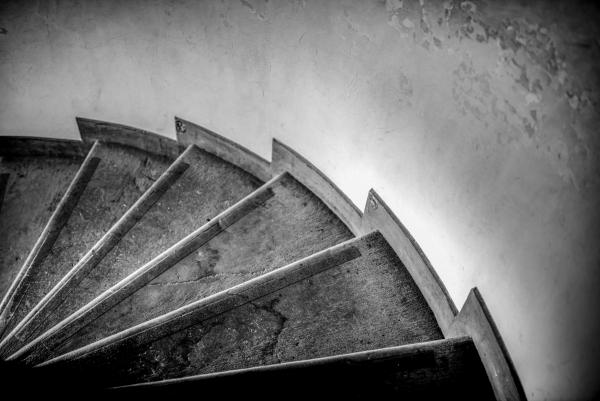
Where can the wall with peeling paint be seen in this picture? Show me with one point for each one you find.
(477, 122)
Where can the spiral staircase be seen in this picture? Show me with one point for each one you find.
(133, 264)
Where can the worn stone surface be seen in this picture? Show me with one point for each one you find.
(367, 303)
(35, 186)
(445, 369)
(208, 186)
(291, 225)
(122, 176)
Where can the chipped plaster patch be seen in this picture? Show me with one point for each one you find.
(407, 23)
(532, 98)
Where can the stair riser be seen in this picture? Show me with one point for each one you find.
(94, 130)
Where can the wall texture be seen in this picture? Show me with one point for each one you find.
(477, 121)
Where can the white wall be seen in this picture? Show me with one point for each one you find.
(477, 123)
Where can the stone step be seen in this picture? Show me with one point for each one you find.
(286, 223)
(353, 297)
(195, 188)
(442, 369)
(37, 173)
(108, 183)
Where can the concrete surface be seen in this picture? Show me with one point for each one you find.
(206, 188)
(435, 370)
(288, 227)
(366, 303)
(122, 175)
(34, 188)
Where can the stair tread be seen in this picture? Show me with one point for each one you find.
(35, 186)
(205, 188)
(444, 368)
(121, 177)
(289, 226)
(364, 303)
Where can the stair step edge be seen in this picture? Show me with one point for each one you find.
(27, 146)
(224, 300)
(189, 133)
(353, 357)
(95, 130)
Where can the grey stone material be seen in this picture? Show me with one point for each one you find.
(363, 302)
(34, 188)
(378, 216)
(288, 226)
(218, 303)
(40, 347)
(208, 186)
(475, 321)
(25, 146)
(271, 292)
(442, 369)
(285, 158)
(95, 130)
(121, 176)
(189, 133)
(23, 282)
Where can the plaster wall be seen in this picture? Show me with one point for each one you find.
(477, 122)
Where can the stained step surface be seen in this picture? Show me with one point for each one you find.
(207, 186)
(443, 369)
(34, 187)
(120, 176)
(356, 296)
(291, 224)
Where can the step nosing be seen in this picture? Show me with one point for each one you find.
(390, 352)
(348, 248)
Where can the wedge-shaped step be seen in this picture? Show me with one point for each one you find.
(108, 183)
(279, 223)
(204, 185)
(443, 369)
(34, 185)
(353, 297)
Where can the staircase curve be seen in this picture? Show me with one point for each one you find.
(135, 264)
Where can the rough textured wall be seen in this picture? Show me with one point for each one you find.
(477, 121)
